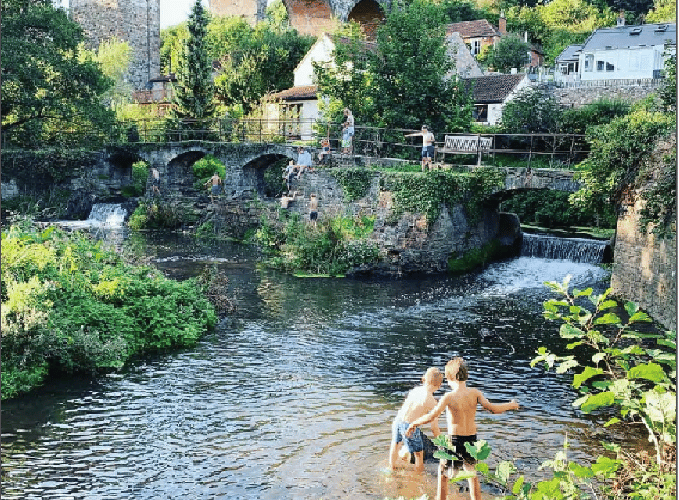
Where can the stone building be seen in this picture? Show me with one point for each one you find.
(310, 17)
(134, 21)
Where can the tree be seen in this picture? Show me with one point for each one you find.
(411, 74)
(114, 58)
(254, 60)
(47, 87)
(532, 111)
(663, 11)
(616, 156)
(194, 91)
(509, 52)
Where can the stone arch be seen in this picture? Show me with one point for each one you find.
(178, 173)
(369, 14)
(263, 174)
(311, 17)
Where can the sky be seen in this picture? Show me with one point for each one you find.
(176, 11)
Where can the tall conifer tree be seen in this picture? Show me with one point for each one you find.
(194, 90)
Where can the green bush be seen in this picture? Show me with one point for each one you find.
(158, 214)
(578, 120)
(69, 305)
(552, 209)
(331, 247)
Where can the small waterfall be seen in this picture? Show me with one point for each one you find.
(573, 249)
(107, 214)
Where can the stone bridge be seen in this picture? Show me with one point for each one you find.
(246, 163)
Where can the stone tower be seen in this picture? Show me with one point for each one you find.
(134, 21)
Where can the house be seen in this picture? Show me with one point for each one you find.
(567, 64)
(158, 91)
(465, 63)
(626, 52)
(300, 102)
(492, 92)
(478, 34)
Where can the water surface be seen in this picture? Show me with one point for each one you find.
(293, 395)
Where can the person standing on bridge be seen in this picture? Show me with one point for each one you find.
(427, 146)
(349, 120)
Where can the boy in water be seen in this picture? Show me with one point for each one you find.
(460, 404)
(419, 401)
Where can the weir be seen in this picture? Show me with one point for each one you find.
(573, 249)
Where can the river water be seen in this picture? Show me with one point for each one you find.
(293, 395)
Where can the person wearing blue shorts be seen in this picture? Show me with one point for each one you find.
(418, 403)
(427, 146)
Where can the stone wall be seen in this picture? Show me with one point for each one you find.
(582, 95)
(134, 21)
(645, 269)
(407, 243)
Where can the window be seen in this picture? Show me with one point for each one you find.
(476, 47)
(610, 67)
(589, 62)
(599, 65)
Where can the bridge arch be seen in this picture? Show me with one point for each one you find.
(264, 173)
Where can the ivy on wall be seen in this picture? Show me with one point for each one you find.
(354, 181)
(426, 193)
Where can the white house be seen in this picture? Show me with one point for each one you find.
(299, 104)
(626, 52)
(492, 92)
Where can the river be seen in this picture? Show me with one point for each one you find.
(292, 396)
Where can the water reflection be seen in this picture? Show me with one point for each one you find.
(293, 396)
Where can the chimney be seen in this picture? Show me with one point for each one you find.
(502, 23)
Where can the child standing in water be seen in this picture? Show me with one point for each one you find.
(419, 402)
(461, 404)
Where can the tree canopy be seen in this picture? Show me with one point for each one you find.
(388, 88)
(509, 52)
(48, 87)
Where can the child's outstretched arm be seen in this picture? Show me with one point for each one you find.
(499, 407)
(429, 417)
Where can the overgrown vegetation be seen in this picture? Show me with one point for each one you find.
(159, 214)
(331, 247)
(626, 377)
(552, 209)
(69, 305)
(355, 182)
(205, 168)
(426, 193)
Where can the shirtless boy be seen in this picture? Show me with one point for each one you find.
(215, 180)
(419, 401)
(427, 146)
(460, 404)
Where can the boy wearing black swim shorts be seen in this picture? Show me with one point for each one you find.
(460, 404)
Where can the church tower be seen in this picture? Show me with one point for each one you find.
(134, 21)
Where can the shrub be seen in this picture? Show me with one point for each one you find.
(69, 305)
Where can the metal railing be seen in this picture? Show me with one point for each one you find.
(370, 142)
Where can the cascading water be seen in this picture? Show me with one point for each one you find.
(573, 249)
(107, 214)
(102, 216)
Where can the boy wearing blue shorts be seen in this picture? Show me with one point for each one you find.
(418, 403)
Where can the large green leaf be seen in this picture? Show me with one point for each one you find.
(595, 401)
(586, 374)
(648, 371)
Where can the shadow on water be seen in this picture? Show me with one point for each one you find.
(293, 395)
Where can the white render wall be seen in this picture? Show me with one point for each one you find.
(629, 63)
(320, 52)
